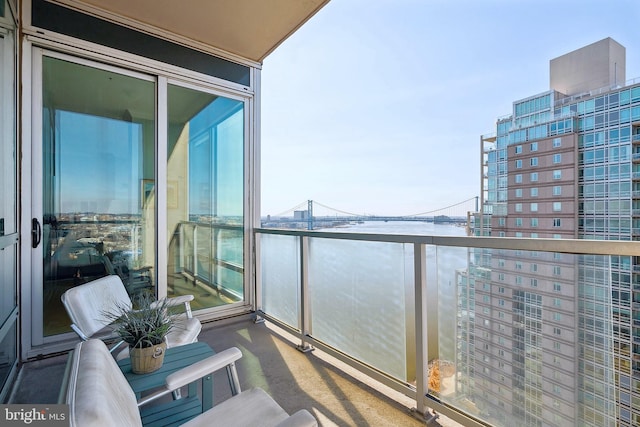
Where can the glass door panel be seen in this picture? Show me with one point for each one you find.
(98, 181)
(205, 197)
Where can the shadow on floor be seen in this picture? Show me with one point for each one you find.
(295, 380)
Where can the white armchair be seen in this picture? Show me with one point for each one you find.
(98, 395)
(88, 306)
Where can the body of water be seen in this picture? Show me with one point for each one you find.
(402, 227)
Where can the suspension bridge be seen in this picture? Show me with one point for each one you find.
(313, 214)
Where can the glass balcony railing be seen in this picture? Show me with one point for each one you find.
(209, 257)
(497, 331)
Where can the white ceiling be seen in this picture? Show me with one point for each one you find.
(250, 29)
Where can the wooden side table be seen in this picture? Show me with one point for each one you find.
(175, 358)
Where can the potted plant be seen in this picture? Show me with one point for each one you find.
(144, 328)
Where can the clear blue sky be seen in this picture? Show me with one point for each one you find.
(378, 106)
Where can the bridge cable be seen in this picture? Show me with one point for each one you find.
(441, 209)
(336, 210)
(297, 207)
(304, 204)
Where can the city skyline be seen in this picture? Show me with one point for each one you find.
(359, 103)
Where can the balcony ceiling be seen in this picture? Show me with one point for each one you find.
(250, 29)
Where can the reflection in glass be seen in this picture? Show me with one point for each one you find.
(8, 353)
(8, 280)
(98, 181)
(8, 221)
(534, 339)
(205, 197)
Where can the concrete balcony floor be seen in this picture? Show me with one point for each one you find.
(334, 393)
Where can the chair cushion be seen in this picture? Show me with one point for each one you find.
(88, 304)
(184, 331)
(98, 393)
(302, 418)
(253, 407)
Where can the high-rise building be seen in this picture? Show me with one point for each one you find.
(554, 338)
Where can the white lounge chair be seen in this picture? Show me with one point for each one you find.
(98, 395)
(88, 306)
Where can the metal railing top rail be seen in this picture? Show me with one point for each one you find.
(224, 226)
(568, 246)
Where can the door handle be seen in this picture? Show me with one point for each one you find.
(36, 232)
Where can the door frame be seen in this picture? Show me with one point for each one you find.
(9, 239)
(33, 343)
(33, 256)
(249, 187)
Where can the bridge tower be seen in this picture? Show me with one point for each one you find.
(309, 214)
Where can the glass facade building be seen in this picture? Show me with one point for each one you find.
(561, 165)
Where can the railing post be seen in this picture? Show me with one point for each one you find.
(420, 286)
(257, 265)
(180, 266)
(214, 267)
(195, 253)
(305, 314)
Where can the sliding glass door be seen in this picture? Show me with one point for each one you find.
(96, 211)
(106, 200)
(205, 196)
